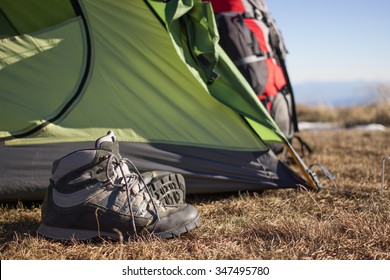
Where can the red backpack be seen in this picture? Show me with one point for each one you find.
(248, 34)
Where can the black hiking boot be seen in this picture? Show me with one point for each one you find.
(97, 193)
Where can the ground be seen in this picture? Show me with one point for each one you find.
(348, 219)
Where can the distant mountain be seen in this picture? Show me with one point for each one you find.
(336, 94)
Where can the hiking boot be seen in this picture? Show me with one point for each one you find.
(97, 193)
(167, 187)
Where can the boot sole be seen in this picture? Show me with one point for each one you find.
(65, 234)
(168, 188)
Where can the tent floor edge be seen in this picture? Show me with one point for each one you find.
(206, 170)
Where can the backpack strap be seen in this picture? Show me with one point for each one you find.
(258, 10)
(250, 40)
(253, 9)
(304, 146)
(252, 59)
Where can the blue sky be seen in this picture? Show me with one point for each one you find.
(329, 40)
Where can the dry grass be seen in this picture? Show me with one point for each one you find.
(378, 111)
(347, 219)
(347, 116)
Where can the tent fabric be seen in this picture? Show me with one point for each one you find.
(118, 55)
(39, 74)
(127, 66)
(206, 170)
(246, 104)
(33, 15)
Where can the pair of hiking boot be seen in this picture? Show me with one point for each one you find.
(97, 193)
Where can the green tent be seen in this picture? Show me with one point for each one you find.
(152, 72)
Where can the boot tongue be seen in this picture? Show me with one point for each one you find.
(110, 137)
(108, 143)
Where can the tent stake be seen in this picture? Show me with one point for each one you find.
(383, 173)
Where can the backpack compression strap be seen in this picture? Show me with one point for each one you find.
(249, 41)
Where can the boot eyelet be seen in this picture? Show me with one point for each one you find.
(102, 158)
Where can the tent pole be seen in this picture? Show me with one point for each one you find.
(383, 173)
(310, 175)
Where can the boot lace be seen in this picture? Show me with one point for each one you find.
(129, 181)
